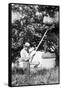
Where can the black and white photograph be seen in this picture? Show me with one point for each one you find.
(34, 44)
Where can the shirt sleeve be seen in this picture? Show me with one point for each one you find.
(24, 55)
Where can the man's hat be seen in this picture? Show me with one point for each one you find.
(27, 44)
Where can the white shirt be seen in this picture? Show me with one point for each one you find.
(24, 54)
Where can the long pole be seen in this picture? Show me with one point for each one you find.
(41, 40)
(43, 37)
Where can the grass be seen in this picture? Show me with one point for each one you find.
(40, 77)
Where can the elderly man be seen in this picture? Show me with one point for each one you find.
(25, 52)
(25, 56)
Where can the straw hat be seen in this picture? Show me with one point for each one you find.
(27, 44)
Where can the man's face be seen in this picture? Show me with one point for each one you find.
(26, 48)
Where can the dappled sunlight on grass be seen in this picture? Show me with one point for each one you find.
(41, 77)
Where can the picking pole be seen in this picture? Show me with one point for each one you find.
(44, 36)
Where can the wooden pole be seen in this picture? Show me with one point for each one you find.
(44, 36)
(41, 39)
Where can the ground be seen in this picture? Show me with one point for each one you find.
(38, 78)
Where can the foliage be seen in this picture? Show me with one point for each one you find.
(27, 25)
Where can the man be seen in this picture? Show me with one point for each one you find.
(25, 56)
